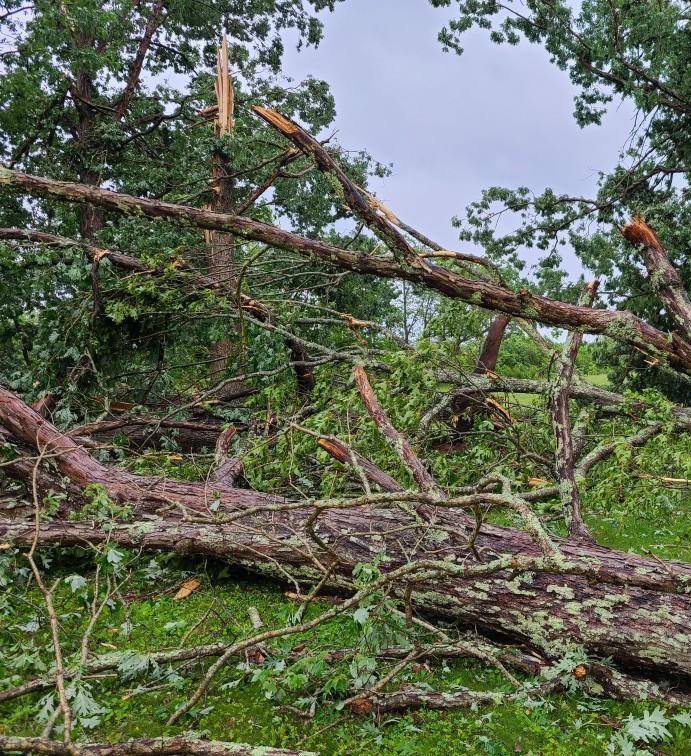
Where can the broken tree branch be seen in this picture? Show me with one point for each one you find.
(505, 595)
(664, 277)
(397, 441)
(620, 325)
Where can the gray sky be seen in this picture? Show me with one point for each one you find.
(452, 125)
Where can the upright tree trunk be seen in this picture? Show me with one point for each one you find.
(220, 245)
(487, 362)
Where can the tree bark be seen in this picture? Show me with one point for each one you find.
(141, 432)
(487, 361)
(620, 325)
(561, 424)
(179, 744)
(613, 604)
(221, 245)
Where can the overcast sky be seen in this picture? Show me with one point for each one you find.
(450, 125)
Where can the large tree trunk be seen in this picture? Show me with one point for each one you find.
(613, 604)
(220, 246)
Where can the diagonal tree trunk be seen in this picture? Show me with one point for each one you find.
(664, 277)
(635, 610)
(621, 325)
(487, 362)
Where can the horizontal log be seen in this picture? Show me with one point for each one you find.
(594, 604)
(613, 604)
(179, 744)
(190, 437)
(620, 325)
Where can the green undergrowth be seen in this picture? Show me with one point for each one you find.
(264, 710)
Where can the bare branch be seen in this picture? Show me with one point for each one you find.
(561, 424)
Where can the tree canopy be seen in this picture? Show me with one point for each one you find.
(270, 453)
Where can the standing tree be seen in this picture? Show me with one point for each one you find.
(637, 52)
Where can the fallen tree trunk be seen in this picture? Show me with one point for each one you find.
(139, 432)
(621, 325)
(613, 604)
(589, 599)
(173, 745)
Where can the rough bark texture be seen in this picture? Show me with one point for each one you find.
(561, 423)
(140, 432)
(220, 245)
(621, 325)
(142, 746)
(633, 609)
(664, 277)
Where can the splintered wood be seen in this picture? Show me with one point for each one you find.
(224, 91)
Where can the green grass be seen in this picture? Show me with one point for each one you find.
(150, 619)
(598, 379)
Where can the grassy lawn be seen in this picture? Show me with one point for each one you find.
(240, 709)
(598, 379)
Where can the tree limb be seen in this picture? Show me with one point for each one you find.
(620, 325)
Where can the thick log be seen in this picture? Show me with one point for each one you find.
(149, 431)
(621, 325)
(643, 626)
(633, 609)
(664, 277)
